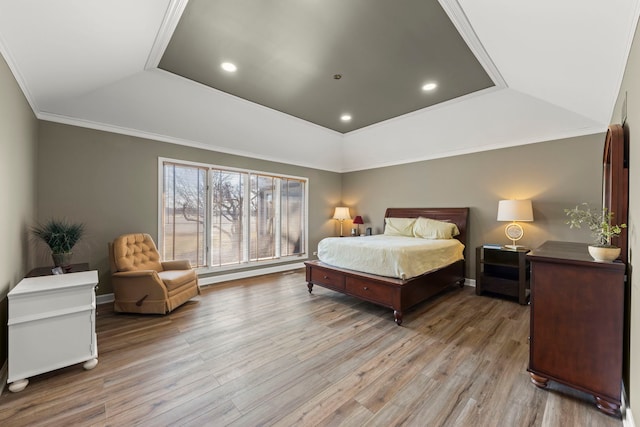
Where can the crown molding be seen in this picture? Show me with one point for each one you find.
(11, 63)
(574, 133)
(455, 12)
(170, 21)
(89, 124)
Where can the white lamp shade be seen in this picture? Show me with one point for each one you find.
(341, 213)
(515, 210)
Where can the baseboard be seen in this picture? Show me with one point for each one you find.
(470, 282)
(4, 376)
(627, 416)
(210, 280)
(204, 281)
(104, 299)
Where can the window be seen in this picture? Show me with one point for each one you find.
(224, 217)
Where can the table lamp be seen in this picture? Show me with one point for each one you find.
(341, 213)
(357, 221)
(514, 210)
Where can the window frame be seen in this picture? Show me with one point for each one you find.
(242, 265)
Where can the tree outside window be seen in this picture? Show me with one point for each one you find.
(243, 217)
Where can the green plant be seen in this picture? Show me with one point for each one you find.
(60, 235)
(599, 221)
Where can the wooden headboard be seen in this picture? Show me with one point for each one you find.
(459, 216)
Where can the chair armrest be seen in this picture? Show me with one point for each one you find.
(180, 264)
(135, 284)
(137, 273)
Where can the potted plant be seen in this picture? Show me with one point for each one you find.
(61, 236)
(600, 223)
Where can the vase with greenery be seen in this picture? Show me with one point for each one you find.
(603, 229)
(61, 236)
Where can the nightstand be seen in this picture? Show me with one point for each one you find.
(51, 324)
(503, 271)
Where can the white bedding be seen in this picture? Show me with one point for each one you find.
(392, 256)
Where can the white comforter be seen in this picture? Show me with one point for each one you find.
(391, 256)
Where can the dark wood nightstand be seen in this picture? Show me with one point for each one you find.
(503, 271)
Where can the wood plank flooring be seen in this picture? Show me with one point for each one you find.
(263, 351)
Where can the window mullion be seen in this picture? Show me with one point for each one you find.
(277, 235)
(246, 218)
(208, 221)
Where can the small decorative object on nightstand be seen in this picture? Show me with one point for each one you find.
(502, 271)
(357, 221)
(61, 236)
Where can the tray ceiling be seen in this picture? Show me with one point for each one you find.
(320, 60)
(529, 72)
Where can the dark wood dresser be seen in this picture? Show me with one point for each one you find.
(576, 330)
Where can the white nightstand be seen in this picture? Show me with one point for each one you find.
(51, 325)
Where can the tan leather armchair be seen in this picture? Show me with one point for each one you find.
(144, 284)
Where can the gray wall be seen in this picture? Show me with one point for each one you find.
(630, 89)
(18, 139)
(554, 175)
(110, 183)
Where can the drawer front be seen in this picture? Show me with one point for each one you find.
(43, 345)
(51, 302)
(332, 279)
(370, 291)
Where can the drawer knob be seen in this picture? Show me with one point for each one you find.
(365, 288)
(325, 277)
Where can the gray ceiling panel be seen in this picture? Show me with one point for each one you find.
(288, 51)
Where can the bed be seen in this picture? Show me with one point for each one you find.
(396, 293)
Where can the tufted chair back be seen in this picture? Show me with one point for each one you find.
(132, 252)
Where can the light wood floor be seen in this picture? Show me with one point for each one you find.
(264, 352)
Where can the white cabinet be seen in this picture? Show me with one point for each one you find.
(51, 325)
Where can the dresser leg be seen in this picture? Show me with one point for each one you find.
(607, 407)
(538, 380)
(90, 364)
(310, 286)
(19, 385)
(397, 315)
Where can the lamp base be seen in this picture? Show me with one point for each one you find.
(514, 247)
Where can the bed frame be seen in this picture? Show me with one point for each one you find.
(396, 294)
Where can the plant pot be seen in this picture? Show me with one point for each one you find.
(63, 260)
(604, 254)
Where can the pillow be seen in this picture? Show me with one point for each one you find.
(399, 226)
(427, 228)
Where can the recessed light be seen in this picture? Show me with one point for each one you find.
(345, 117)
(429, 86)
(228, 66)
